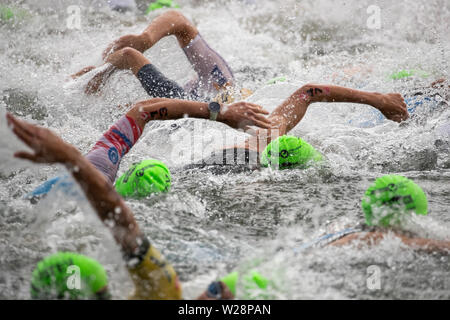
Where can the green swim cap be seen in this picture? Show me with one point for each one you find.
(288, 152)
(6, 13)
(276, 80)
(66, 275)
(10, 14)
(143, 179)
(231, 281)
(161, 4)
(250, 282)
(389, 198)
(402, 74)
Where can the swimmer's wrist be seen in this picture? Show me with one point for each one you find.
(215, 109)
(372, 99)
(73, 158)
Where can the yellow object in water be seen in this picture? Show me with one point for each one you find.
(229, 94)
(155, 279)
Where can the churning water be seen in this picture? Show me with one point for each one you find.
(208, 224)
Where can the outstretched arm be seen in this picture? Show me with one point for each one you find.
(170, 23)
(153, 276)
(239, 115)
(292, 111)
(49, 148)
(286, 116)
(373, 238)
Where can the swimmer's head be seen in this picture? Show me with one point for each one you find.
(390, 198)
(66, 275)
(289, 152)
(143, 179)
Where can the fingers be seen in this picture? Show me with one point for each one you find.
(21, 129)
(256, 108)
(250, 130)
(82, 72)
(261, 124)
(108, 51)
(26, 156)
(262, 118)
(261, 110)
(254, 116)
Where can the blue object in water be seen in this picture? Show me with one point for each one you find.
(61, 182)
(327, 239)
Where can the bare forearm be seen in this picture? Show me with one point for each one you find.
(292, 111)
(167, 109)
(49, 148)
(428, 245)
(329, 93)
(167, 24)
(238, 115)
(373, 238)
(109, 206)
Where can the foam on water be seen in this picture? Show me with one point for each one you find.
(208, 225)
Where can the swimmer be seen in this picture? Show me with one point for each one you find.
(214, 75)
(108, 152)
(154, 278)
(110, 149)
(248, 155)
(387, 204)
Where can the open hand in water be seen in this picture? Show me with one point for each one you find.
(47, 146)
(242, 115)
(128, 41)
(392, 106)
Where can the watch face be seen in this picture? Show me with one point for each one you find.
(214, 107)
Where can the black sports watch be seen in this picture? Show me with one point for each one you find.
(214, 109)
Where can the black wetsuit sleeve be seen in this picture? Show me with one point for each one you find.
(159, 86)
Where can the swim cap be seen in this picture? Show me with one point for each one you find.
(143, 179)
(276, 80)
(287, 152)
(402, 74)
(231, 281)
(389, 198)
(161, 4)
(55, 277)
(6, 13)
(252, 284)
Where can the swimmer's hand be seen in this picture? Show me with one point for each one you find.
(47, 146)
(98, 80)
(243, 115)
(392, 106)
(129, 41)
(82, 72)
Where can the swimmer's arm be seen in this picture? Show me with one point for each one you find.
(238, 115)
(291, 112)
(49, 148)
(428, 245)
(374, 238)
